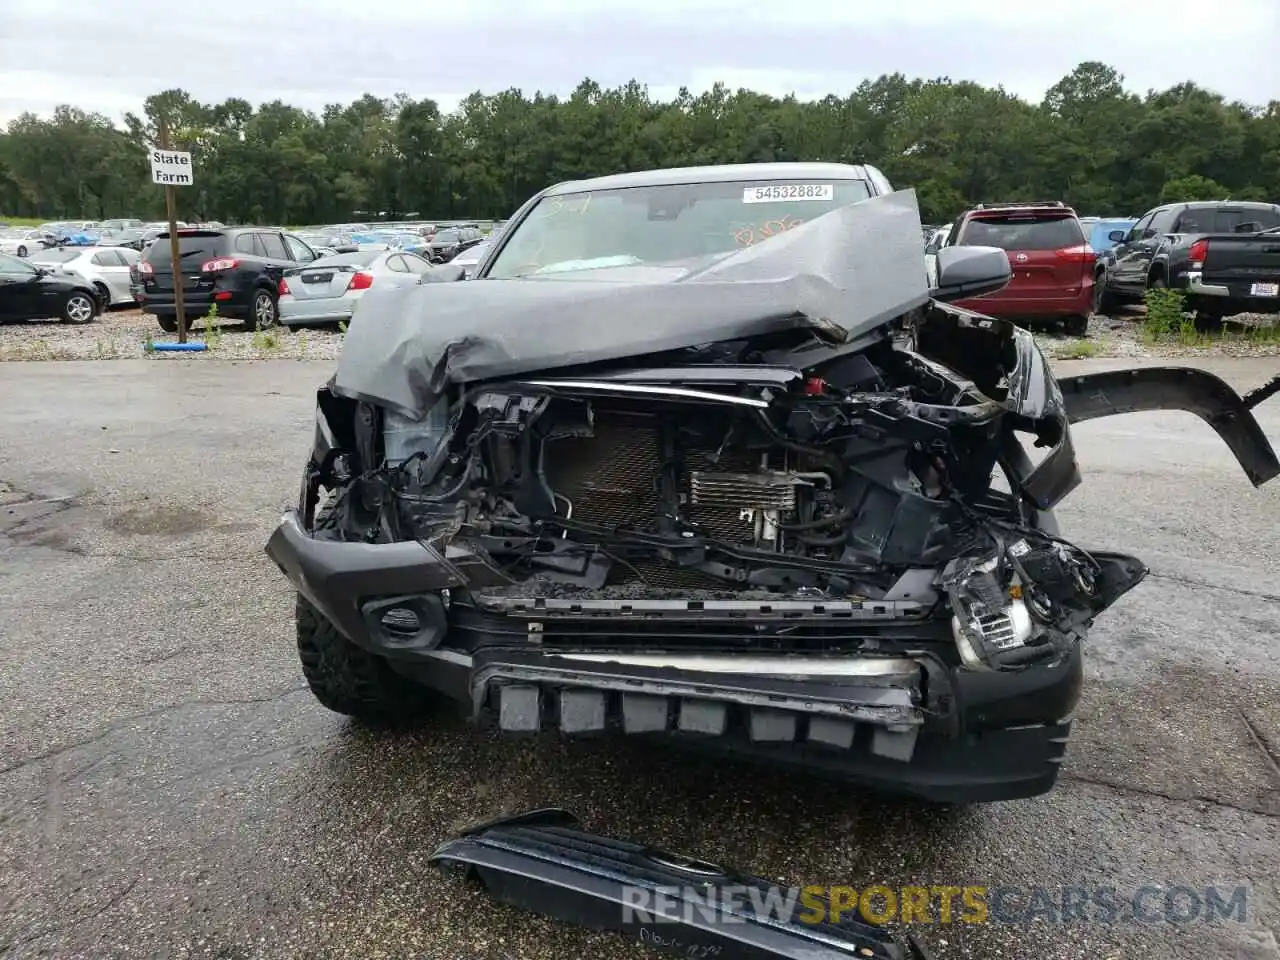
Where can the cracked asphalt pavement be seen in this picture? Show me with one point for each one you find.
(168, 787)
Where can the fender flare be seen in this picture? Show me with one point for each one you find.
(1209, 397)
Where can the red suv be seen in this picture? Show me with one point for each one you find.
(1049, 254)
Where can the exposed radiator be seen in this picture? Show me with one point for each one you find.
(759, 491)
(612, 478)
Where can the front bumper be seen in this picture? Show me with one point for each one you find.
(1011, 307)
(903, 724)
(327, 310)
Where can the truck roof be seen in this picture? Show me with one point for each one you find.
(721, 173)
(1214, 204)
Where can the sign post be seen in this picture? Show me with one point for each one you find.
(172, 168)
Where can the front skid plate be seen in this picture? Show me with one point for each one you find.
(540, 861)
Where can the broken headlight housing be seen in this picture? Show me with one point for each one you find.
(1019, 605)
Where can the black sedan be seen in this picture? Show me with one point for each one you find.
(30, 292)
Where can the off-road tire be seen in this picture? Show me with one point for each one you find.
(1105, 302)
(168, 324)
(349, 679)
(1076, 326)
(1208, 322)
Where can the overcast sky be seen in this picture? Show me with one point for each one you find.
(107, 55)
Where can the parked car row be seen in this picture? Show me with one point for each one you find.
(1223, 255)
(31, 291)
(438, 242)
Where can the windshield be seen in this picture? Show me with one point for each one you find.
(12, 265)
(192, 245)
(54, 256)
(1228, 220)
(447, 236)
(662, 223)
(1022, 231)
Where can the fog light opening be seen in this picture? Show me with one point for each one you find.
(401, 621)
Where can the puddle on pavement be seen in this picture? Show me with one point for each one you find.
(160, 521)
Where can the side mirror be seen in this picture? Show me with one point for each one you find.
(446, 273)
(1148, 233)
(970, 272)
(1117, 236)
(347, 248)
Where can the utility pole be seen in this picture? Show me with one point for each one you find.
(170, 209)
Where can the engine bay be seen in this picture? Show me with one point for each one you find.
(766, 485)
(820, 488)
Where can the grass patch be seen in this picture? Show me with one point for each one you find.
(1079, 350)
(1166, 315)
(1167, 322)
(37, 350)
(211, 331)
(267, 340)
(21, 221)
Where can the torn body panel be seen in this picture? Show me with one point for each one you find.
(543, 862)
(1180, 388)
(839, 275)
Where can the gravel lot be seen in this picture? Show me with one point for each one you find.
(169, 788)
(124, 334)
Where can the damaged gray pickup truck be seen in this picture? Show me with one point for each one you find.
(697, 455)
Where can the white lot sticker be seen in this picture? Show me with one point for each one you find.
(775, 192)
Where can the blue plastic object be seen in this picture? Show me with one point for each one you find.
(192, 347)
(1098, 236)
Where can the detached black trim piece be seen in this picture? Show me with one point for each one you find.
(1177, 388)
(540, 861)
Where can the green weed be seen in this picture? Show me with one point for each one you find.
(1079, 350)
(212, 332)
(1165, 314)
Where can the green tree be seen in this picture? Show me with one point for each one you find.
(1090, 142)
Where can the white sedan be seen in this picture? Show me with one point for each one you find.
(21, 241)
(106, 268)
(327, 289)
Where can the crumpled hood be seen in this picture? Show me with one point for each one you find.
(853, 269)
